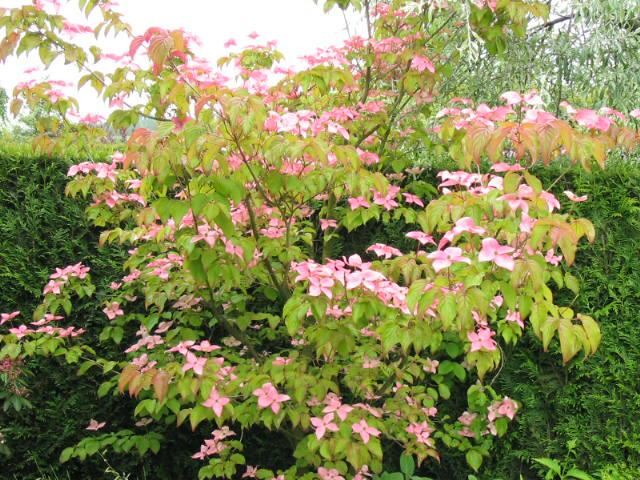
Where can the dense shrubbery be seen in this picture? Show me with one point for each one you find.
(593, 403)
(39, 229)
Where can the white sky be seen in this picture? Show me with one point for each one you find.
(299, 26)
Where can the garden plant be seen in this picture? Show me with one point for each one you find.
(233, 316)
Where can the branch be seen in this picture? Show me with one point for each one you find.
(551, 23)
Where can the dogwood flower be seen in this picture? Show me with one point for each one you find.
(329, 474)
(268, 396)
(324, 424)
(574, 198)
(94, 425)
(492, 251)
(421, 237)
(194, 363)
(445, 258)
(7, 317)
(365, 431)
(482, 340)
(113, 310)
(216, 402)
(358, 202)
(385, 251)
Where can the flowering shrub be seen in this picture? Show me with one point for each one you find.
(233, 312)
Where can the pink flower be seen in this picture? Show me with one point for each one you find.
(514, 316)
(334, 404)
(21, 331)
(635, 113)
(464, 224)
(358, 202)
(281, 361)
(506, 167)
(385, 251)
(505, 408)
(95, 426)
(7, 317)
(53, 287)
(368, 158)
(329, 474)
(113, 310)
(251, 472)
(328, 223)
(421, 237)
(431, 366)
(421, 64)
(551, 258)
(422, 432)
(410, 198)
(590, 119)
(363, 473)
(482, 340)
(363, 429)
(445, 258)
(574, 198)
(194, 363)
(204, 346)
(492, 251)
(268, 396)
(323, 424)
(511, 98)
(216, 402)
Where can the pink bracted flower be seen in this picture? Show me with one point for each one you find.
(514, 316)
(421, 237)
(327, 223)
(464, 224)
(358, 202)
(324, 424)
(216, 402)
(385, 251)
(329, 474)
(574, 198)
(7, 317)
(420, 64)
(482, 340)
(410, 198)
(113, 310)
(94, 425)
(334, 404)
(501, 255)
(268, 396)
(363, 429)
(251, 472)
(445, 258)
(422, 432)
(194, 363)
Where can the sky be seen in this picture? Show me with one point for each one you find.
(299, 26)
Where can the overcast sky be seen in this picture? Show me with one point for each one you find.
(299, 26)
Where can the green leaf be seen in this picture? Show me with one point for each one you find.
(579, 474)
(550, 464)
(407, 465)
(474, 459)
(66, 454)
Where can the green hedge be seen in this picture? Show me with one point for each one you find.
(41, 229)
(594, 404)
